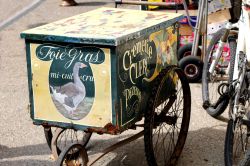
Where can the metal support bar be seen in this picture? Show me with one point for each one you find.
(201, 20)
(204, 31)
(165, 4)
(115, 146)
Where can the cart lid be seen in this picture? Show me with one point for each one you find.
(103, 26)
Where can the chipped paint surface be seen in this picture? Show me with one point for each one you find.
(114, 77)
(51, 75)
(106, 25)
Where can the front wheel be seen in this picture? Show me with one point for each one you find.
(73, 154)
(167, 117)
(236, 142)
(214, 102)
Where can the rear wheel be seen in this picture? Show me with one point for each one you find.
(167, 117)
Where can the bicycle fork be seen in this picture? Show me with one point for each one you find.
(239, 86)
(222, 42)
(219, 50)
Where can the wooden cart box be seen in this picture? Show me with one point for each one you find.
(94, 70)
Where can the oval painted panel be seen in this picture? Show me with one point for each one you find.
(71, 78)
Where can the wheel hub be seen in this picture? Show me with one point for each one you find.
(170, 120)
(191, 70)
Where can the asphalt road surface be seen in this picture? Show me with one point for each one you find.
(22, 143)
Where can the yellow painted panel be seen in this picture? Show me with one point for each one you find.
(44, 107)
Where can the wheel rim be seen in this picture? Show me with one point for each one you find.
(239, 135)
(215, 80)
(191, 70)
(75, 155)
(63, 137)
(239, 142)
(168, 133)
(213, 85)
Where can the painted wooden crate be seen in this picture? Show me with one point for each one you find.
(93, 71)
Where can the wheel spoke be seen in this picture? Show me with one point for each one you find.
(168, 106)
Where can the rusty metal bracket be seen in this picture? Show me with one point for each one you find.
(115, 146)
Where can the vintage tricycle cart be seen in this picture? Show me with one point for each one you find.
(104, 71)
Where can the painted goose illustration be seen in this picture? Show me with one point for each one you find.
(71, 94)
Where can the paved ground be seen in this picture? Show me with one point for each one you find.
(22, 143)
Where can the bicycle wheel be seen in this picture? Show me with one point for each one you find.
(73, 155)
(213, 102)
(235, 142)
(167, 117)
(63, 137)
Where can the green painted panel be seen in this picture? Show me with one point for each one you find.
(139, 63)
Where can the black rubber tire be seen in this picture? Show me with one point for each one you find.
(59, 133)
(232, 46)
(158, 94)
(211, 110)
(233, 144)
(192, 67)
(186, 51)
(228, 149)
(80, 153)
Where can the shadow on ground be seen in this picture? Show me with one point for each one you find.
(20, 155)
(26, 163)
(195, 152)
(31, 150)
